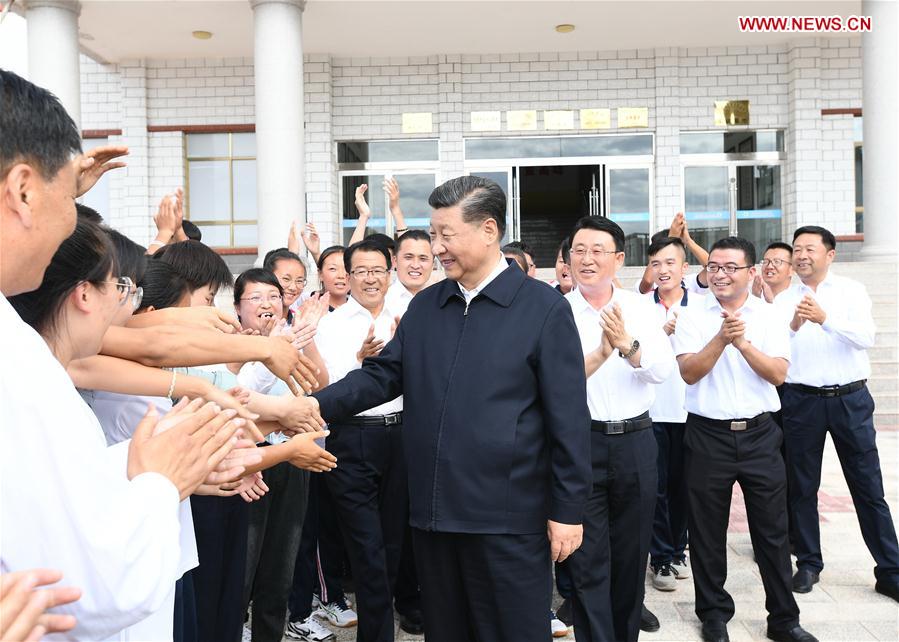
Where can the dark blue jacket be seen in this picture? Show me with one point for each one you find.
(495, 426)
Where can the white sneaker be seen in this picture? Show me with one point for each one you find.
(247, 635)
(558, 626)
(681, 569)
(337, 613)
(664, 579)
(309, 630)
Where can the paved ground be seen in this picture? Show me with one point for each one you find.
(843, 606)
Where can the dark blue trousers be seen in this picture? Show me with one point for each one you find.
(669, 528)
(849, 419)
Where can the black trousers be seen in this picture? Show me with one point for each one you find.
(564, 583)
(319, 561)
(484, 588)
(716, 458)
(371, 495)
(669, 528)
(849, 419)
(610, 566)
(407, 594)
(276, 524)
(220, 525)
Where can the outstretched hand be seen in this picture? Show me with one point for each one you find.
(96, 162)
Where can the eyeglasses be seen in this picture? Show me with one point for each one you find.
(361, 273)
(300, 282)
(775, 262)
(595, 253)
(127, 291)
(730, 268)
(258, 299)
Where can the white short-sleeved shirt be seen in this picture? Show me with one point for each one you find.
(732, 389)
(398, 298)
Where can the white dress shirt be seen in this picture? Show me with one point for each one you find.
(476, 290)
(67, 502)
(668, 406)
(617, 390)
(398, 297)
(340, 335)
(732, 389)
(834, 353)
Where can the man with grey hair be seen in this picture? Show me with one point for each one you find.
(496, 426)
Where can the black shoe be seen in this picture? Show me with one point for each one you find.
(648, 622)
(412, 622)
(564, 613)
(890, 589)
(804, 580)
(796, 634)
(714, 631)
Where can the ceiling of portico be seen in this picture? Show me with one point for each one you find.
(123, 29)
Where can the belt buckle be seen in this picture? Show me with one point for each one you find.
(615, 427)
(391, 420)
(738, 425)
(829, 392)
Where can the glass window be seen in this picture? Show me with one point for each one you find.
(221, 187)
(553, 147)
(414, 192)
(740, 142)
(97, 197)
(629, 207)
(387, 151)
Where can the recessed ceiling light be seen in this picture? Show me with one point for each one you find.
(202, 35)
(565, 28)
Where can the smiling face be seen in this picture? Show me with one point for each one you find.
(667, 267)
(467, 251)
(730, 287)
(368, 288)
(292, 276)
(594, 260)
(811, 258)
(414, 263)
(776, 268)
(563, 274)
(334, 277)
(259, 303)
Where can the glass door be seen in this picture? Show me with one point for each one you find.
(415, 188)
(505, 178)
(758, 204)
(707, 203)
(628, 198)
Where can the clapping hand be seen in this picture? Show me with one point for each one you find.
(23, 605)
(613, 327)
(809, 310)
(734, 329)
(371, 346)
(361, 205)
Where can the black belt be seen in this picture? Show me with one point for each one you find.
(374, 420)
(641, 422)
(737, 424)
(829, 391)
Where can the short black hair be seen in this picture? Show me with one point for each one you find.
(827, 237)
(479, 198)
(85, 256)
(779, 245)
(328, 251)
(565, 251)
(197, 263)
(34, 128)
(365, 245)
(384, 240)
(412, 235)
(255, 275)
(736, 243)
(163, 286)
(89, 213)
(191, 231)
(514, 252)
(521, 245)
(281, 254)
(600, 224)
(660, 244)
(661, 234)
(130, 257)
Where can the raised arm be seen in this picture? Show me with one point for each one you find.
(392, 189)
(364, 214)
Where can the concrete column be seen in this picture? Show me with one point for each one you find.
(280, 153)
(53, 61)
(881, 189)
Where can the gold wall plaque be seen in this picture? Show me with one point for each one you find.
(523, 120)
(596, 118)
(633, 117)
(486, 121)
(418, 123)
(731, 112)
(558, 120)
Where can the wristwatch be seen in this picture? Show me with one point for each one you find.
(630, 353)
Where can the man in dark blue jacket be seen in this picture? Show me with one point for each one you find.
(496, 426)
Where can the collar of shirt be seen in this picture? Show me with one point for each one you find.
(579, 303)
(658, 299)
(830, 280)
(399, 290)
(352, 307)
(500, 267)
(752, 303)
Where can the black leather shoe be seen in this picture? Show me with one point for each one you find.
(890, 589)
(648, 621)
(796, 634)
(564, 613)
(714, 631)
(804, 580)
(412, 623)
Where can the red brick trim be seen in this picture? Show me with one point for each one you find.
(204, 129)
(100, 133)
(851, 238)
(236, 251)
(847, 111)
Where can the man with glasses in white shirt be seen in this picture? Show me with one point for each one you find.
(732, 352)
(776, 273)
(832, 324)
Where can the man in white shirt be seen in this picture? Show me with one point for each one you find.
(831, 329)
(776, 274)
(414, 265)
(667, 263)
(732, 352)
(626, 354)
(370, 491)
